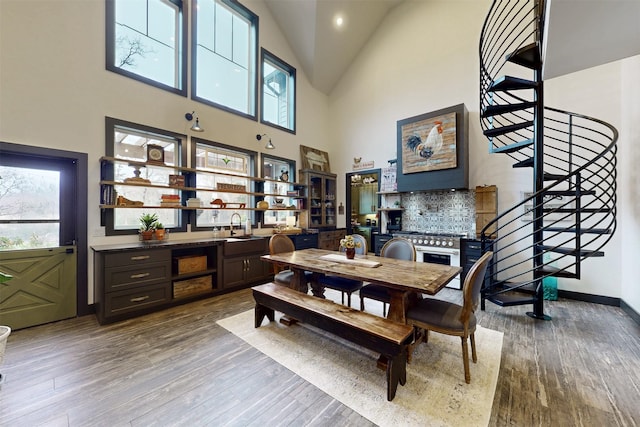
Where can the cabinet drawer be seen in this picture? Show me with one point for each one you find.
(136, 299)
(136, 258)
(117, 278)
(252, 246)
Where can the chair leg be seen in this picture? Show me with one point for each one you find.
(465, 359)
(384, 309)
(342, 299)
(473, 348)
(361, 303)
(348, 299)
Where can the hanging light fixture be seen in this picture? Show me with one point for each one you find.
(269, 145)
(196, 126)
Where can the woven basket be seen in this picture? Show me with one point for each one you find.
(4, 334)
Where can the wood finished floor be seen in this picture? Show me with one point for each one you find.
(178, 367)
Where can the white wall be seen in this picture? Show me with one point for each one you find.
(424, 57)
(55, 92)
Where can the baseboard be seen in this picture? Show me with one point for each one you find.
(597, 299)
(630, 311)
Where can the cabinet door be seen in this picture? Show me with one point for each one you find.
(255, 269)
(233, 273)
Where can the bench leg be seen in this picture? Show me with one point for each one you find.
(260, 312)
(396, 373)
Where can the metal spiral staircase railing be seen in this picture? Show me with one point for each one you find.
(570, 214)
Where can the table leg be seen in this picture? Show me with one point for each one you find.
(298, 283)
(317, 288)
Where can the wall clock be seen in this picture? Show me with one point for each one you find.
(155, 154)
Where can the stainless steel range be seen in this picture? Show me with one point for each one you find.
(438, 248)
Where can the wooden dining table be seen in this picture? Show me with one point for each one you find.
(405, 280)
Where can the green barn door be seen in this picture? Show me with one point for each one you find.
(38, 230)
(42, 289)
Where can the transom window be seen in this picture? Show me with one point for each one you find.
(145, 41)
(225, 39)
(278, 106)
(230, 165)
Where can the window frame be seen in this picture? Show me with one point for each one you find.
(251, 175)
(276, 62)
(107, 172)
(265, 157)
(110, 26)
(253, 84)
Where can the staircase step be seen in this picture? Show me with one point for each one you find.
(506, 83)
(570, 251)
(507, 129)
(556, 272)
(526, 163)
(582, 230)
(527, 56)
(513, 147)
(506, 300)
(570, 193)
(553, 177)
(582, 210)
(496, 110)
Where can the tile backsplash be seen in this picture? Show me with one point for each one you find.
(440, 211)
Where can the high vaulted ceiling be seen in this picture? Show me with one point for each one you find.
(580, 33)
(325, 50)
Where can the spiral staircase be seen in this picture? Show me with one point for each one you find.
(570, 214)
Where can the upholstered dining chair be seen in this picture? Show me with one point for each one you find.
(342, 284)
(281, 243)
(448, 318)
(397, 248)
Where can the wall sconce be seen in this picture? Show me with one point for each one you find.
(196, 126)
(269, 145)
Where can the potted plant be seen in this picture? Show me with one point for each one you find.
(349, 244)
(159, 230)
(147, 225)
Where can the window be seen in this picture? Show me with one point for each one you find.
(231, 164)
(146, 41)
(225, 39)
(278, 93)
(284, 171)
(128, 141)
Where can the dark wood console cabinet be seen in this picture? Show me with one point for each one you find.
(134, 279)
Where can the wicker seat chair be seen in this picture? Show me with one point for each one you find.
(281, 243)
(397, 248)
(445, 317)
(344, 285)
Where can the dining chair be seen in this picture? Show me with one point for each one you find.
(397, 248)
(342, 284)
(431, 314)
(281, 243)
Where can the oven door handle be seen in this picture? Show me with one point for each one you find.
(438, 251)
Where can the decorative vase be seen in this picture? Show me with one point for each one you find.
(350, 252)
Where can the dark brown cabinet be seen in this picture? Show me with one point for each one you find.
(321, 203)
(330, 239)
(242, 264)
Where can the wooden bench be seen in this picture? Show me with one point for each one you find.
(375, 333)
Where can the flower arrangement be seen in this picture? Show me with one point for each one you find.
(349, 243)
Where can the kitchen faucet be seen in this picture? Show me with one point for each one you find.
(231, 222)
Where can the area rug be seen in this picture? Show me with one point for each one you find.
(435, 393)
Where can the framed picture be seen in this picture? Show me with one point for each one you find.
(428, 143)
(314, 159)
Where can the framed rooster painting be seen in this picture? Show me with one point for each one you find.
(428, 143)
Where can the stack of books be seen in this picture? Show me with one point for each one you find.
(170, 200)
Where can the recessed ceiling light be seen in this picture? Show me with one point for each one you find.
(339, 21)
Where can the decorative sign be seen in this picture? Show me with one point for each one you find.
(360, 165)
(388, 179)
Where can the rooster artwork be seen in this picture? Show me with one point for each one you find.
(428, 143)
(431, 145)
